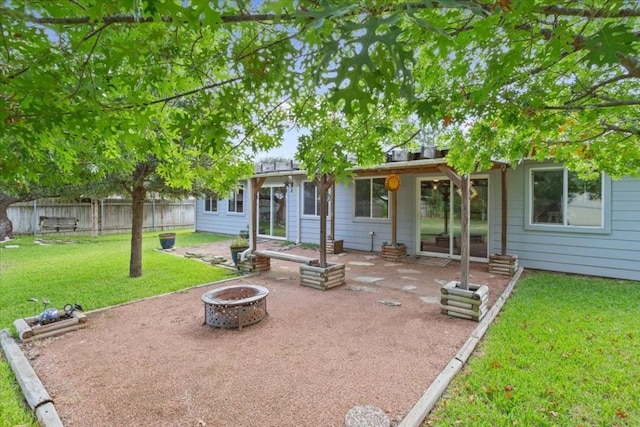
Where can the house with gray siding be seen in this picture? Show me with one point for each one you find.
(555, 221)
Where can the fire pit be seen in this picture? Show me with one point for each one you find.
(235, 306)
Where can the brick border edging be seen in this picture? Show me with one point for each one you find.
(425, 404)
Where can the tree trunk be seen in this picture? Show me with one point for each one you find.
(6, 226)
(138, 194)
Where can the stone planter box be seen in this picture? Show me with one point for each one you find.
(322, 278)
(503, 264)
(466, 304)
(394, 253)
(334, 246)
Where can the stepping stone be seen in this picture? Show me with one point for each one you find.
(365, 279)
(409, 278)
(390, 303)
(409, 287)
(371, 257)
(442, 282)
(392, 264)
(366, 416)
(361, 263)
(431, 300)
(362, 288)
(407, 271)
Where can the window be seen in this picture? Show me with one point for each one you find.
(560, 198)
(311, 199)
(372, 198)
(211, 204)
(236, 200)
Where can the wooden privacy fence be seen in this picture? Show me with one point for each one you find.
(107, 216)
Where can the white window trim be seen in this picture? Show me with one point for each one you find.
(234, 193)
(210, 212)
(316, 215)
(370, 218)
(603, 228)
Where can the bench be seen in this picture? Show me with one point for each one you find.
(58, 223)
(288, 257)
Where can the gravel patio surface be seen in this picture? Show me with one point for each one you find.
(315, 355)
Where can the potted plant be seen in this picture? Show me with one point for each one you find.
(239, 244)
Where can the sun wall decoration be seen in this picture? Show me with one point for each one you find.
(392, 182)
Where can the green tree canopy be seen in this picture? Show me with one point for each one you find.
(85, 82)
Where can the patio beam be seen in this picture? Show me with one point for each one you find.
(401, 168)
(503, 207)
(333, 211)
(462, 182)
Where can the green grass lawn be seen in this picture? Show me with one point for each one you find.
(92, 272)
(563, 352)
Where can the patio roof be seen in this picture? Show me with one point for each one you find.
(397, 167)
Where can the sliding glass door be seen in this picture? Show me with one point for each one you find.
(272, 211)
(439, 217)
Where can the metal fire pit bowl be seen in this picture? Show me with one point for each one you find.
(235, 306)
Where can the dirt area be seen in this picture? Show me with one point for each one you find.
(311, 359)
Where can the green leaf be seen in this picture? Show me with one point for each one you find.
(610, 41)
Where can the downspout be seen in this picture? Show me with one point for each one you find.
(299, 215)
(503, 209)
(252, 224)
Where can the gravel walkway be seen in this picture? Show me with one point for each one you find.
(315, 356)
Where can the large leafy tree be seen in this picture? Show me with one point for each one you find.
(513, 78)
(101, 85)
(134, 103)
(507, 79)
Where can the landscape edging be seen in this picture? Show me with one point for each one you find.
(425, 404)
(32, 388)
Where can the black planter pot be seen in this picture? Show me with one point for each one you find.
(235, 252)
(167, 240)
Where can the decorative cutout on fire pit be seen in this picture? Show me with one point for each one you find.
(235, 306)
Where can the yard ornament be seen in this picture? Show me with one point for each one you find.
(50, 315)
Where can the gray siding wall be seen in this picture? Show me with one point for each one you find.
(614, 254)
(292, 211)
(223, 221)
(232, 223)
(356, 231)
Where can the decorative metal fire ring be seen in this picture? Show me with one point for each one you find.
(235, 306)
